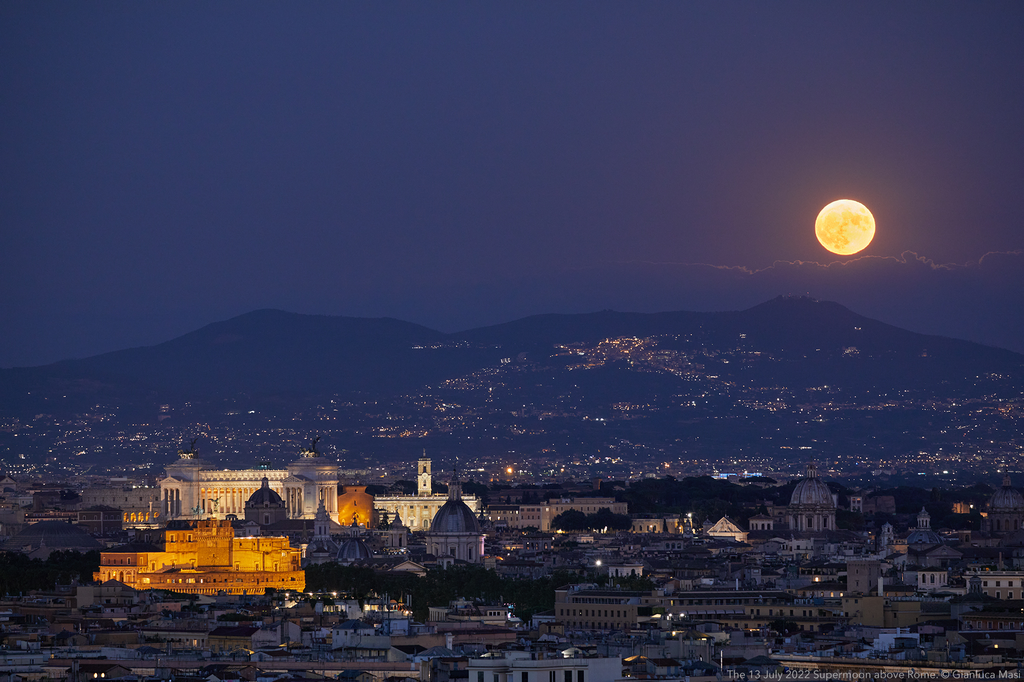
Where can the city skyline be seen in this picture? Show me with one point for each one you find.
(581, 342)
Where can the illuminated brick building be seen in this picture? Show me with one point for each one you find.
(355, 507)
(205, 558)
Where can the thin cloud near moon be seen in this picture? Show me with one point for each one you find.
(907, 257)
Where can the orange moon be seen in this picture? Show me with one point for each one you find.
(845, 227)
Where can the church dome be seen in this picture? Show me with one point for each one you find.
(924, 537)
(1006, 499)
(265, 496)
(811, 491)
(354, 549)
(455, 516)
(923, 534)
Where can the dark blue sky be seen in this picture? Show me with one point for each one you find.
(166, 165)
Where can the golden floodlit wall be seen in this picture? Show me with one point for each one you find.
(355, 507)
(206, 558)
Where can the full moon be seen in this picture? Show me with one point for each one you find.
(845, 227)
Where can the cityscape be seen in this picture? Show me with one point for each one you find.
(417, 574)
(747, 500)
(511, 342)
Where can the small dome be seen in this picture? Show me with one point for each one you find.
(811, 491)
(1006, 499)
(924, 537)
(265, 497)
(354, 549)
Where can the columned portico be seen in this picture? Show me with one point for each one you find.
(192, 490)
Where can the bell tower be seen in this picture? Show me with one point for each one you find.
(423, 479)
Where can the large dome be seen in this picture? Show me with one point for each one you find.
(265, 496)
(811, 491)
(455, 516)
(1006, 499)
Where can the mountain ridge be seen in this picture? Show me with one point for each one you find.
(273, 351)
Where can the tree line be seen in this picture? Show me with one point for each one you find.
(19, 573)
(442, 586)
(572, 519)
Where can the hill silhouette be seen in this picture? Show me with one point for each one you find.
(787, 341)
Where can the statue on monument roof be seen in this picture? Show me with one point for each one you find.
(311, 451)
(191, 452)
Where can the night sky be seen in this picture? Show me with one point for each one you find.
(170, 164)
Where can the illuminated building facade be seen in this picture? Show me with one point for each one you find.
(140, 506)
(205, 558)
(355, 507)
(540, 515)
(418, 511)
(193, 490)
